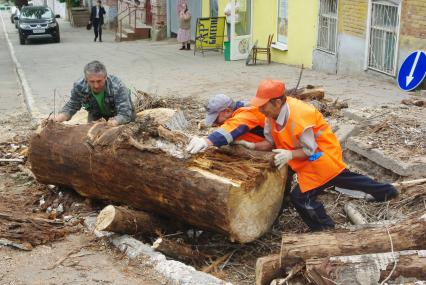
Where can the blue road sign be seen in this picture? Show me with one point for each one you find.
(412, 71)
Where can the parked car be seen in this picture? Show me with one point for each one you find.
(37, 21)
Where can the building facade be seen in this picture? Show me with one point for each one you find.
(368, 35)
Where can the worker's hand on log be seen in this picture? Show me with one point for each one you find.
(112, 122)
(196, 145)
(282, 157)
(246, 144)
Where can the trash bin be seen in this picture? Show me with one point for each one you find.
(227, 51)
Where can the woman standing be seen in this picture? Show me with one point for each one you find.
(184, 33)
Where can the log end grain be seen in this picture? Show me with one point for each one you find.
(105, 218)
(252, 214)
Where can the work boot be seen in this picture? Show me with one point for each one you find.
(183, 47)
(95, 39)
(188, 46)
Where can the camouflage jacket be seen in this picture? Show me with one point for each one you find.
(118, 103)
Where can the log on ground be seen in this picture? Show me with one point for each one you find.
(143, 165)
(368, 268)
(178, 250)
(126, 221)
(405, 235)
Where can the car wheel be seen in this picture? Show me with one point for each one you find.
(57, 38)
(21, 39)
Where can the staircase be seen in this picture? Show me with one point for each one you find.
(79, 16)
(131, 21)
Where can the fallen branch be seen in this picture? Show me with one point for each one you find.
(178, 250)
(406, 234)
(354, 215)
(372, 267)
(216, 263)
(11, 160)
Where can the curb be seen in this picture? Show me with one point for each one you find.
(28, 97)
(377, 156)
(176, 272)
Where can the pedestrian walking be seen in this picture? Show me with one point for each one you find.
(184, 32)
(97, 19)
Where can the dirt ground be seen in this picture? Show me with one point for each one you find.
(63, 252)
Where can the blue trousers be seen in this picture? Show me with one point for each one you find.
(313, 213)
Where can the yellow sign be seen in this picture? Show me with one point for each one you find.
(209, 33)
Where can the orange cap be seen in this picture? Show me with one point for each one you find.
(267, 90)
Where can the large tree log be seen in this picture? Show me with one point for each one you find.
(407, 234)
(143, 165)
(367, 269)
(126, 221)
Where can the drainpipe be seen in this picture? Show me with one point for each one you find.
(168, 5)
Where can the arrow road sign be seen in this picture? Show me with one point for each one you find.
(412, 71)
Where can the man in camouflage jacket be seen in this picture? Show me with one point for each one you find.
(102, 95)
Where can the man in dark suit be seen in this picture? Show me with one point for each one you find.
(97, 19)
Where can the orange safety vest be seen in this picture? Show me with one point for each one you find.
(310, 174)
(249, 116)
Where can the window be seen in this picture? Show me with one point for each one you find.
(282, 22)
(327, 26)
(384, 25)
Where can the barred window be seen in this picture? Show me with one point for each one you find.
(327, 26)
(384, 25)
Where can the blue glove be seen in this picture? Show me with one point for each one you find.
(315, 156)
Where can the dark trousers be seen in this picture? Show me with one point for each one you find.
(97, 28)
(313, 213)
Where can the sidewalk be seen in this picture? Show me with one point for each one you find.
(159, 67)
(11, 101)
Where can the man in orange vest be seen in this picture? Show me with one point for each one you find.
(238, 124)
(304, 140)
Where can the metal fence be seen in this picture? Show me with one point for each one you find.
(327, 26)
(383, 37)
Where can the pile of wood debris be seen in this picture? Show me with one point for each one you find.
(287, 252)
(404, 124)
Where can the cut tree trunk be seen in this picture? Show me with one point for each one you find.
(126, 221)
(368, 268)
(407, 234)
(143, 165)
(178, 250)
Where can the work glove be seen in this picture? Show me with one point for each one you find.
(196, 145)
(246, 144)
(282, 157)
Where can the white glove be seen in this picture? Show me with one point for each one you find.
(196, 145)
(246, 144)
(282, 157)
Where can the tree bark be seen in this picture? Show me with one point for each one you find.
(307, 93)
(143, 164)
(178, 250)
(368, 268)
(268, 268)
(126, 221)
(407, 234)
